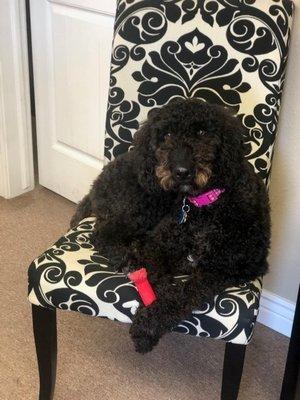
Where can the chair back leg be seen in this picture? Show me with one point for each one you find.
(45, 336)
(291, 381)
(232, 370)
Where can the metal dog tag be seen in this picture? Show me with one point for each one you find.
(183, 212)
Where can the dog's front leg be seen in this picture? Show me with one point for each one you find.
(174, 303)
(148, 248)
(161, 248)
(115, 239)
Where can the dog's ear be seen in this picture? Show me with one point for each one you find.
(231, 159)
(144, 156)
(142, 136)
(145, 135)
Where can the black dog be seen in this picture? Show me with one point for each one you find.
(186, 148)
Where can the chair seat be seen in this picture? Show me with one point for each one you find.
(71, 275)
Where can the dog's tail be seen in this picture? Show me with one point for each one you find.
(84, 210)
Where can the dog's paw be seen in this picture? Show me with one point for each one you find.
(126, 262)
(123, 263)
(144, 330)
(142, 340)
(144, 344)
(118, 262)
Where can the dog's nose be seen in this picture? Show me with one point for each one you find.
(182, 173)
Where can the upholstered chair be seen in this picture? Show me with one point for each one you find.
(229, 52)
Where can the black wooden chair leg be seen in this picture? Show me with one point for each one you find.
(291, 380)
(44, 327)
(232, 370)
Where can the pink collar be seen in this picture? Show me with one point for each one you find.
(201, 200)
(206, 198)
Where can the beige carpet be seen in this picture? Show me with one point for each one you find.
(96, 360)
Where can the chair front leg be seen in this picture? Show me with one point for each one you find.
(232, 370)
(45, 336)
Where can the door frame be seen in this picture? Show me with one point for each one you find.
(16, 153)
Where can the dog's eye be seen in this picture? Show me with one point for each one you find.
(168, 135)
(201, 132)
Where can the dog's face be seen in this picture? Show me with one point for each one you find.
(185, 158)
(192, 145)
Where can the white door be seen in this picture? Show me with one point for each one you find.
(71, 41)
(16, 161)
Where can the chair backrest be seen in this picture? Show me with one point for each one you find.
(229, 52)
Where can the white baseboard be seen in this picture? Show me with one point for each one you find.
(276, 312)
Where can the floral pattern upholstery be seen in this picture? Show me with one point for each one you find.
(229, 52)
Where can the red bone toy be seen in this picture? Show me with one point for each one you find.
(139, 278)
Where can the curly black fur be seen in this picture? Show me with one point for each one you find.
(137, 199)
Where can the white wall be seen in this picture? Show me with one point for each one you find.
(284, 278)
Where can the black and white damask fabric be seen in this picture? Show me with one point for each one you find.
(229, 52)
(72, 276)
